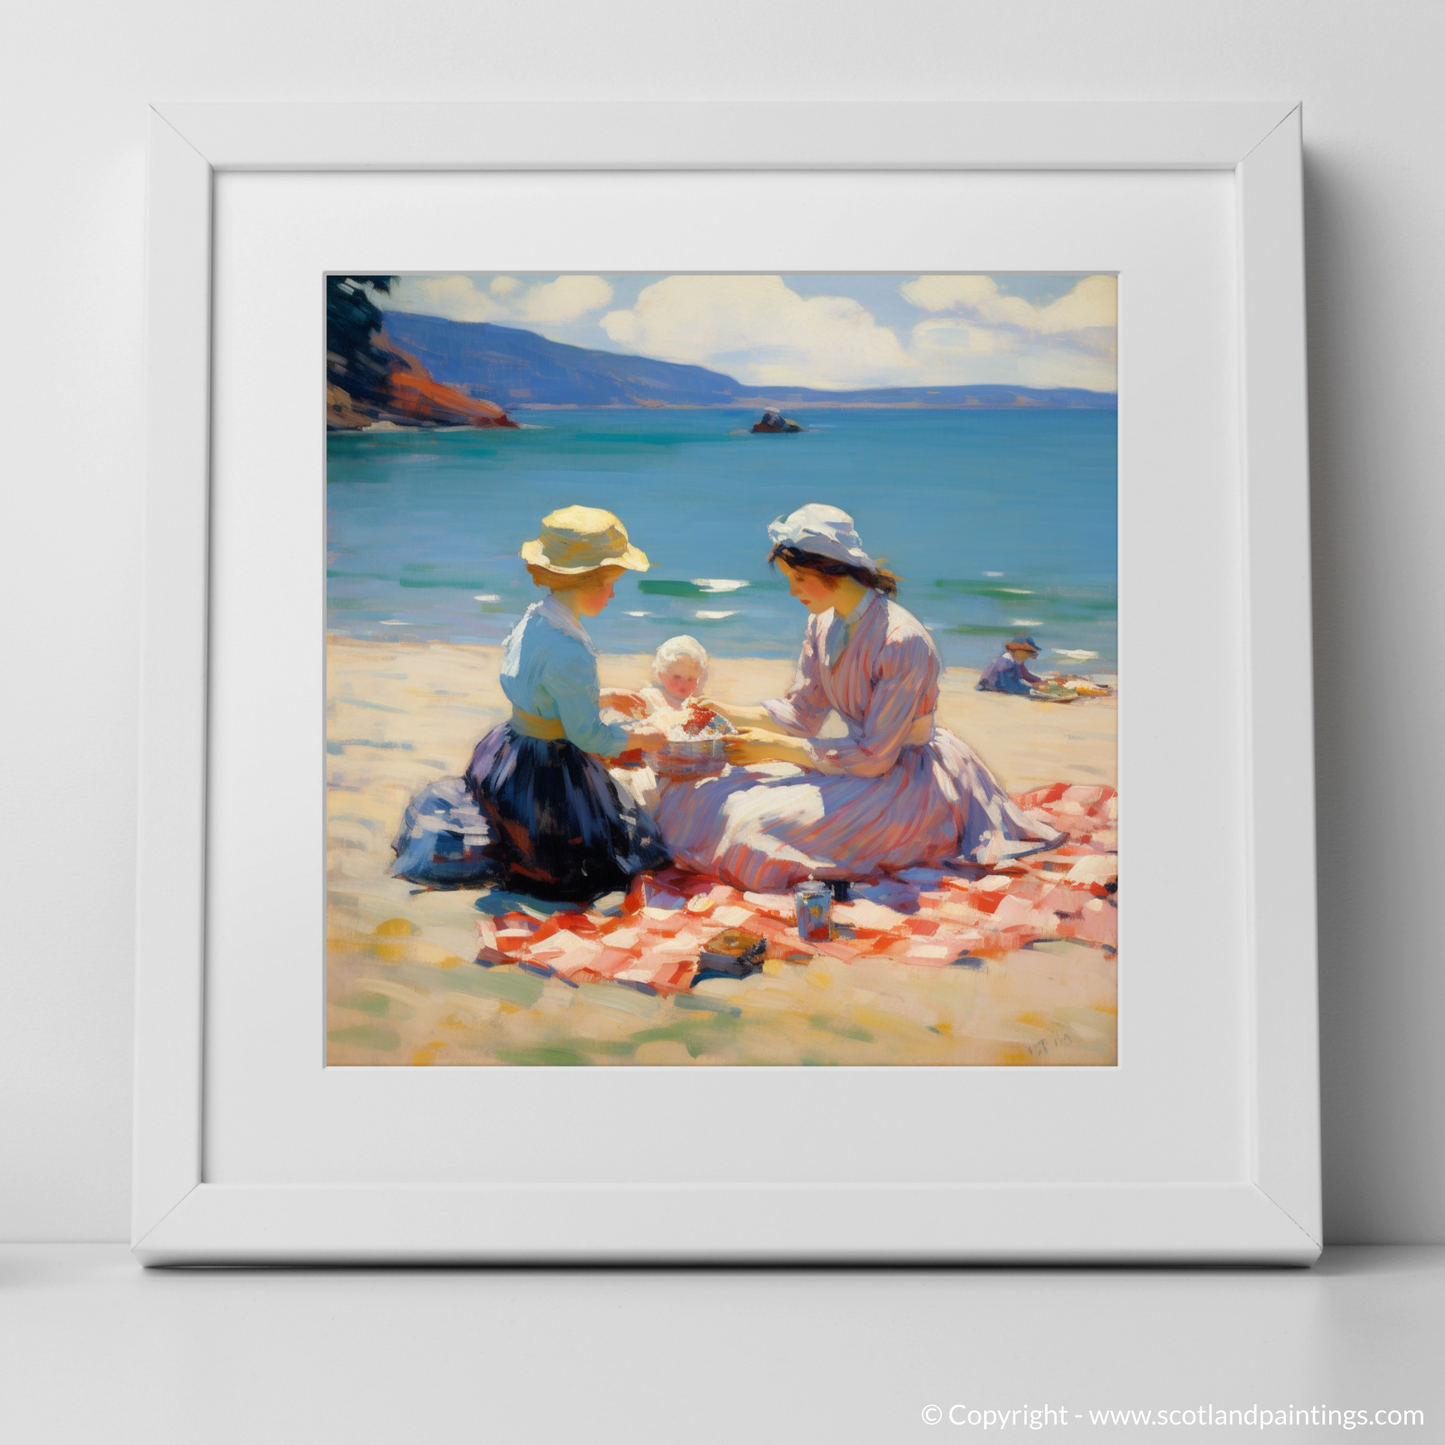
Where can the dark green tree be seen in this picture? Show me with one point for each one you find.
(353, 361)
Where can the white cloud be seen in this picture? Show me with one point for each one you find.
(1093, 303)
(505, 299)
(952, 351)
(984, 334)
(564, 299)
(454, 297)
(760, 331)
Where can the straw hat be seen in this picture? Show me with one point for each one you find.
(580, 539)
(1021, 643)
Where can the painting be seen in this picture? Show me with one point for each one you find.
(721, 670)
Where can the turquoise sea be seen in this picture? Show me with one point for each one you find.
(996, 522)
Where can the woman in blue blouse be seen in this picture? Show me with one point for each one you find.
(552, 821)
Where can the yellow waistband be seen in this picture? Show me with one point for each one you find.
(549, 729)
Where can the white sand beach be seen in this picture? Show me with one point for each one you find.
(403, 989)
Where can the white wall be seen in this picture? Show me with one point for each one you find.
(80, 74)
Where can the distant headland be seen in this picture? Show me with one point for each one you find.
(518, 369)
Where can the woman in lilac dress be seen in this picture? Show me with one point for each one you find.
(896, 792)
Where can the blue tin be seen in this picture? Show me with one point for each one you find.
(813, 902)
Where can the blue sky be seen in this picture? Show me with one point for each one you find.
(829, 331)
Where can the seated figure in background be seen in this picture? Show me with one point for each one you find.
(1009, 671)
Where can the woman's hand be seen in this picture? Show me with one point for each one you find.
(631, 704)
(740, 716)
(749, 747)
(648, 738)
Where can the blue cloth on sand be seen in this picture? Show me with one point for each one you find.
(444, 838)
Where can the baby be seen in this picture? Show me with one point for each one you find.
(679, 668)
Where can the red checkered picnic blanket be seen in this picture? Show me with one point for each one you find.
(924, 917)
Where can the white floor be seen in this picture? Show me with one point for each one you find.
(93, 1348)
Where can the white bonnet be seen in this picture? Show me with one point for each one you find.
(824, 531)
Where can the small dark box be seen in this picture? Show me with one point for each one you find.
(736, 952)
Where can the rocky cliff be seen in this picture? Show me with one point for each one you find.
(404, 394)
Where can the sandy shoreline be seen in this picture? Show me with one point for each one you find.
(402, 987)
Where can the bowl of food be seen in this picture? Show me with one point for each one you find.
(691, 757)
(696, 743)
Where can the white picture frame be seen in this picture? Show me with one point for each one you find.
(1269, 1214)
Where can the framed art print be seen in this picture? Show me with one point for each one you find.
(661, 655)
(950, 812)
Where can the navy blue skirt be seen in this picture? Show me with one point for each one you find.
(533, 816)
